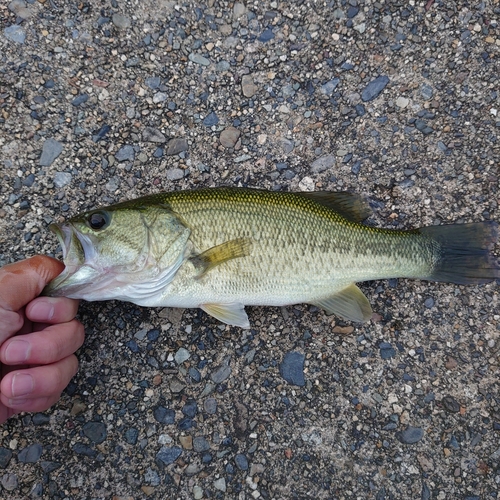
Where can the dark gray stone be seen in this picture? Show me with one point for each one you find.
(50, 151)
(200, 444)
(164, 415)
(386, 350)
(241, 461)
(374, 88)
(211, 119)
(411, 435)
(125, 153)
(168, 455)
(151, 134)
(48, 466)
(176, 146)
(15, 33)
(95, 431)
(131, 435)
(81, 99)
(30, 454)
(292, 368)
(322, 164)
(5, 456)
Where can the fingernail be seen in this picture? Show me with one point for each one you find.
(22, 384)
(42, 310)
(17, 351)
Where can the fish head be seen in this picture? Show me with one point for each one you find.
(119, 252)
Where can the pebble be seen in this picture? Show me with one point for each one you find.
(186, 442)
(168, 455)
(153, 82)
(386, 350)
(81, 99)
(411, 435)
(248, 86)
(200, 444)
(241, 461)
(322, 164)
(266, 35)
(374, 88)
(113, 184)
(402, 102)
(95, 431)
(9, 482)
(221, 374)
(176, 385)
(450, 404)
(181, 355)
(101, 133)
(426, 91)
(30, 454)
(229, 137)
(151, 134)
(15, 33)
(20, 10)
(121, 21)
(199, 59)
(125, 153)
(37, 490)
(429, 303)
(238, 10)
(211, 119)
(164, 415)
(197, 493)
(62, 179)
(190, 408)
(50, 151)
(330, 86)
(210, 405)
(174, 174)
(292, 368)
(176, 146)
(220, 484)
(5, 456)
(131, 435)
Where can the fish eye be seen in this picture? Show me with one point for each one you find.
(98, 220)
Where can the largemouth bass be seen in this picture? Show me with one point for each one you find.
(222, 249)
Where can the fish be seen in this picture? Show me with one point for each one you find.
(221, 249)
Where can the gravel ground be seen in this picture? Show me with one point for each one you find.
(102, 101)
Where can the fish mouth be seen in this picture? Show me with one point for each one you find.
(78, 252)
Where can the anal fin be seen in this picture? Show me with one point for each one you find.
(232, 314)
(350, 304)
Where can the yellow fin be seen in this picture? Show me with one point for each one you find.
(233, 314)
(239, 247)
(351, 206)
(349, 304)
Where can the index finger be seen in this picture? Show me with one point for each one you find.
(22, 281)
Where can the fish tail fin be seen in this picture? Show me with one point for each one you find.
(464, 253)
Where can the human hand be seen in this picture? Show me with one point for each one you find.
(38, 336)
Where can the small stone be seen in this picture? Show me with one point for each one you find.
(374, 88)
(200, 444)
(330, 86)
(101, 133)
(451, 363)
(199, 59)
(210, 405)
(30, 454)
(322, 164)
(37, 490)
(9, 482)
(402, 102)
(95, 431)
(241, 461)
(190, 409)
(121, 21)
(186, 442)
(5, 456)
(125, 153)
(266, 35)
(197, 493)
(211, 120)
(229, 137)
(78, 407)
(220, 484)
(81, 99)
(176, 146)
(429, 303)
(386, 350)
(164, 415)
(238, 10)
(131, 435)
(175, 174)
(168, 455)
(176, 385)
(20, 10)
(62, 179)
(411, 435)
(50, 151)
(181, 355)
(113, 184)
(153, 82)
(151, 477)
(450, 404)
(148, 490)
(248, 86)
(151, 134)
(426, 91)
(15, 33)
(221, 374)
(160, 97)
(292, 368)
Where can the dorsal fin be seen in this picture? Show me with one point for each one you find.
(351, 206)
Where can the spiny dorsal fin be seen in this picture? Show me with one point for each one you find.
(232, 314)
(351, 206)
(233, 249)
(349, 304)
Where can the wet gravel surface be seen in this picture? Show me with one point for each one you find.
(105, 101)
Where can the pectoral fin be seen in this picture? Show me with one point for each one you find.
(349, 304)
(239, 247)
(233, 314)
